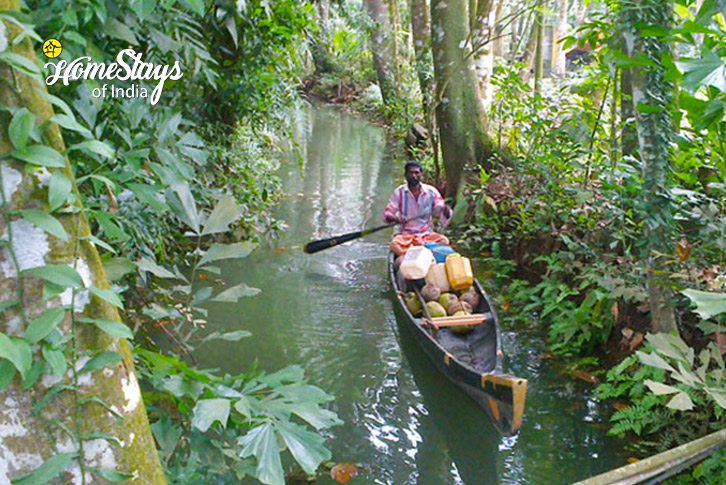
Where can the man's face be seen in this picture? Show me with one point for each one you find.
(413, 176)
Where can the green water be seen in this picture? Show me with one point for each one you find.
(332, 313)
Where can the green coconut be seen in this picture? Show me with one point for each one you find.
(462, 329)
(435, 309)
(448, 299)
(412, 302)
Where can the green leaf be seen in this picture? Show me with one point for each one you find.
(708, 304)
(184, 207)
(142, 8)
(180, 387)
(709, 70)
(306, 447)
(146, 264)
(103, 359)
(18, 352)
(51, 468)
(46, 222)
(58, 274)
(42, 155)
(261, 443)
(658, 388)
(648, 109)
(681, 402)
(167, 434)
(56, 359)
(118, 30)
(147, 194)
(197, 6)
(21, 63)
(107, 247)
(318, 417)
(7, 373)
(654, 360)
(55, 101)
(107, 295)
(111, 327)
(94, 146)
(228, 251)
(44, 324)
(20, 128)
(229, 336)
(117, 268)
(207, 411)
(112, 475)
(242, 406)
(233, 294)
(59, 189)
(70, 123)
(224, 214)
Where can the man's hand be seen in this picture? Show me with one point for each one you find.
(447, 212)
(398, 219)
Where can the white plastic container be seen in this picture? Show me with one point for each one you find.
(416, 263)
(437, 277)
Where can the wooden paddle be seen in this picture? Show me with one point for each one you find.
(315, 246)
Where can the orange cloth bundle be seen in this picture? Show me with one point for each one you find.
(401, 242)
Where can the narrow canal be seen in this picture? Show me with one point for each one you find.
(332, 313)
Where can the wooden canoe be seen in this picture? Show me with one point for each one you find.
(472, 361)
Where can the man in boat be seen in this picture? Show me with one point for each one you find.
(412, 205)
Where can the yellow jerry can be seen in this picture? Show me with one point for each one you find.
(458, 271)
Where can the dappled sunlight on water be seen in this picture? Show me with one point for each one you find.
(332, 313)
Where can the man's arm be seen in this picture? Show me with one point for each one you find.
(392, 209)
(440, 208)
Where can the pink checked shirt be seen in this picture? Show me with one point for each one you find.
(402, 202)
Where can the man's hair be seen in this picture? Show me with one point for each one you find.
(412, 163)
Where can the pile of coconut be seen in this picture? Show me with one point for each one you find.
(441, 304)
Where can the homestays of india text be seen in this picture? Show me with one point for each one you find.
(128, 67)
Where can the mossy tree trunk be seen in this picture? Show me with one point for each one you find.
(421, 31)
(383, 49)
(459, 112)
(123, 443)
(652, 96)
(559, 62)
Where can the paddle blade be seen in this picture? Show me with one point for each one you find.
(315, 246)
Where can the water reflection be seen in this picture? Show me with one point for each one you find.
(332, 313)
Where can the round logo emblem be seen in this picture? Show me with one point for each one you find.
(52, 48)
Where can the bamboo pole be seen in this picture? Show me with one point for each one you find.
(663, 465)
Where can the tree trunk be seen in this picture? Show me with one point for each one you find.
(653, 92)
(421, 31)
(559, 62)
(538, 67)
(319, 43)
(581, 8)
(629, 140)
(28, 439)
(462, 125)
(382, 49)
(498, 31)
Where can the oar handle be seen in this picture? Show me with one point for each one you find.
(315, 246)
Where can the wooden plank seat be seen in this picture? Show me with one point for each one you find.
(452, 321)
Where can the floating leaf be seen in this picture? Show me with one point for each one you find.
(229, 336)
(207, 411)
(343, 472)
(233, 294)
(227, 251)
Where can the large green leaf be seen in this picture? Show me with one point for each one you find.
(18, 352)
(708, 304)
(101, 360)
(658, 388)
(50, 469)
(107, 295)
(228, 251)
(59, 189)
(184, 207)
(111, 327)
(21, 63)
(58, 274)
(94, 146)
(142, 8)
(46, 222)
(196, 5)
(118, 30)
(20, 128)
(70, 123)
(709, 70)
(145, 264)
(7, 373)
(654, 360)
(56, 359)
(207, 411)
(261, 443)
(42, 155)
(225, 213)
(44, 324)
(167, 434)
(681, 402)
(318, 417)
(307, 448)
(233, 294)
